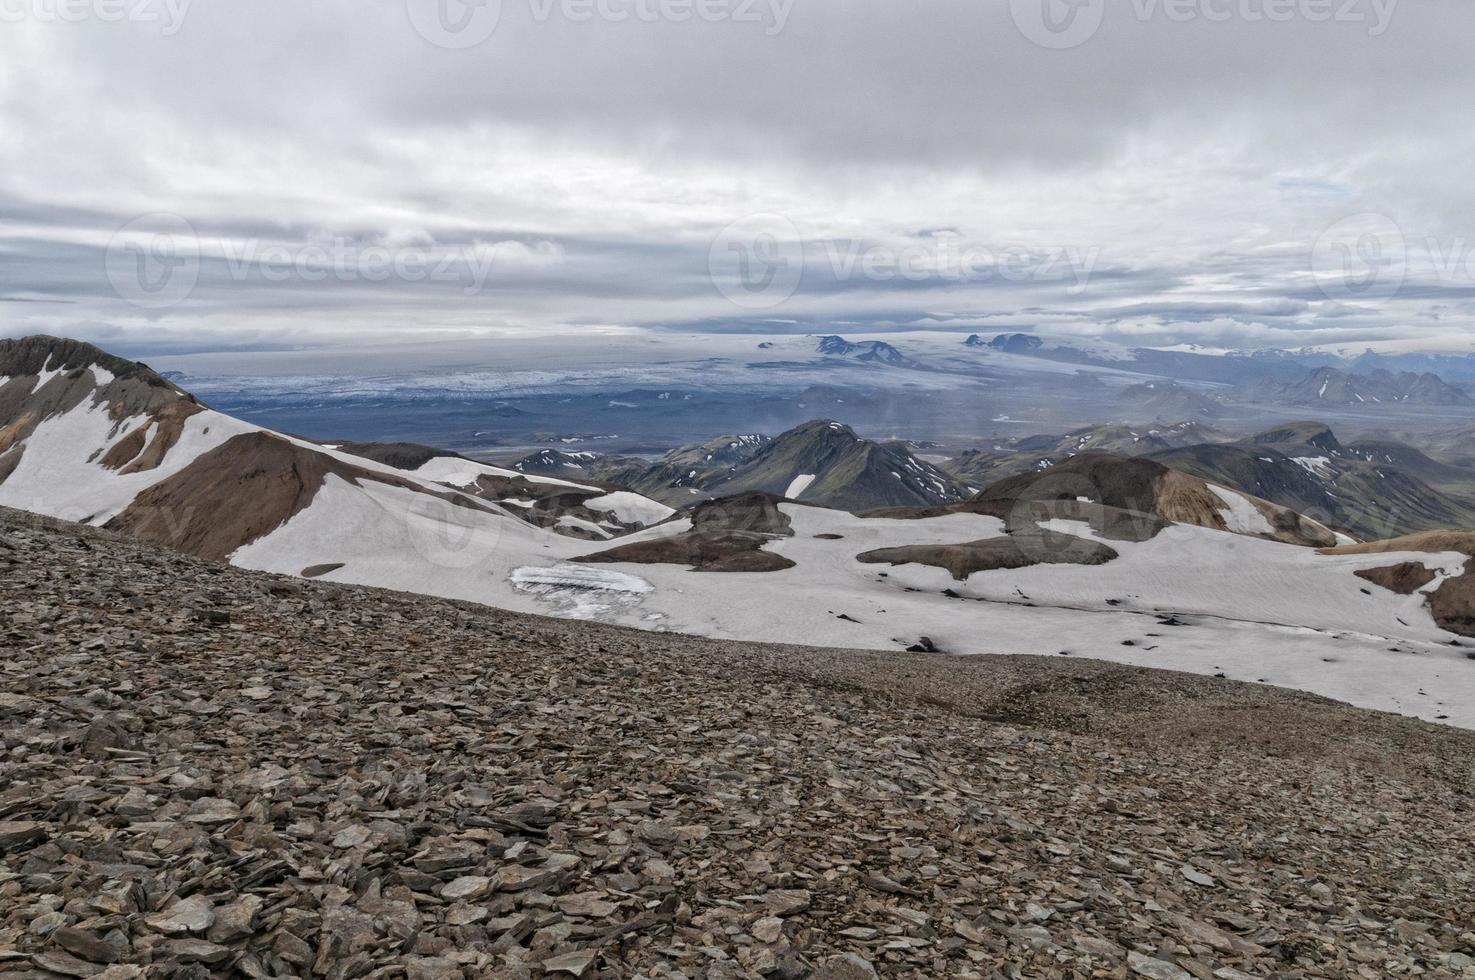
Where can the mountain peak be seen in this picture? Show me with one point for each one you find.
(824, 427)
(1016, 343)
(40, 354)
(869, 351)
(1316, 435)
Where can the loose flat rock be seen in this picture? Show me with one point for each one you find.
(189, 915)
(466, 888)
(442, 791)
(846, 967)
(1146, 966)
(575, 964)
(212, 811)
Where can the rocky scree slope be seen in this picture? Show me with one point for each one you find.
(212, 772)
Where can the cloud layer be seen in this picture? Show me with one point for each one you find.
(280, 173)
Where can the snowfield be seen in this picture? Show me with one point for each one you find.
(1249, 609)
(1190, 599)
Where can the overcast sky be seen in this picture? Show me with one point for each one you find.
(1234, 173)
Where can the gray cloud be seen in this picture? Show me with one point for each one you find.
(1200, 164)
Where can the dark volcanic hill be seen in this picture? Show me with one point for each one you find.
(1168, 400)
(1035, 454)
(559, 463)
(822, 462)
(1146, 486)
(827, 464)
(676, 479)
(1305, 467)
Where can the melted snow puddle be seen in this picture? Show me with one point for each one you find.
(581, 592)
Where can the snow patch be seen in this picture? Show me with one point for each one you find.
(581, 592)
(630, 508)
(464, 472)
(1242, 516)
(579, 524)
(1315, 465)
(799, 484)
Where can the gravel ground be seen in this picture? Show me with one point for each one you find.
(210, 772)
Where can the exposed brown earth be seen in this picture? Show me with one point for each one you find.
(1114, 523)
(702, 551)
(239, 492)
(550, 503)
(9, 460)
(15, 429)
(1147, 487)
(1405, 578)
(1013, 551)
(755, 512)
(1426, 541)
(400, 455)
(163, 429)
(212, 772)
(727, 535)
(1453, 603)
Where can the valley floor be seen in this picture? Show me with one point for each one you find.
(210, 771)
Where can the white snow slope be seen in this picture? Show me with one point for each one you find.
(1251, 609)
